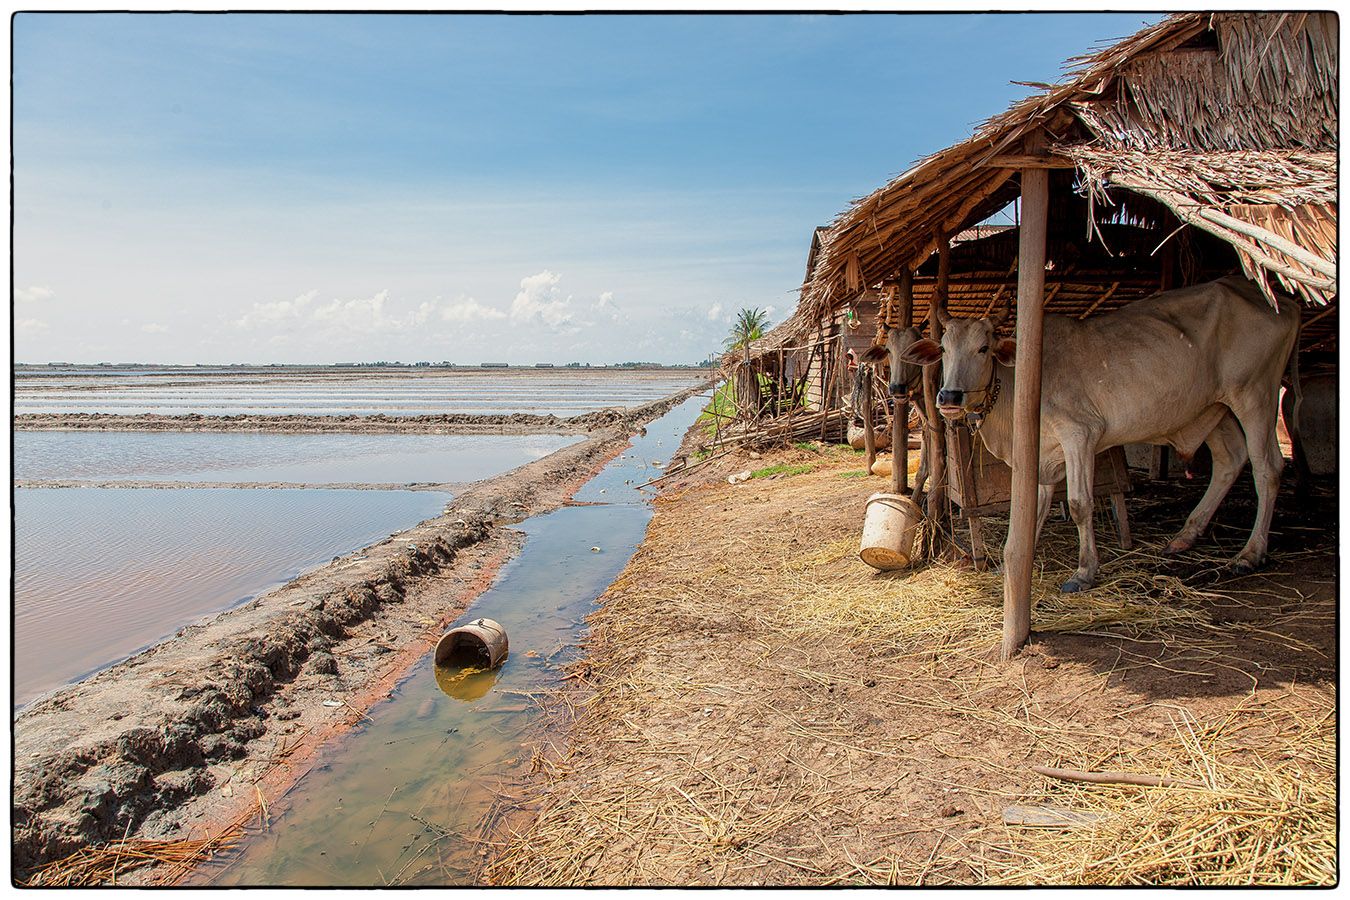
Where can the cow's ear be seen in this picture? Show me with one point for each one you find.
(1005, 351)
(875, 354)
(922, 353)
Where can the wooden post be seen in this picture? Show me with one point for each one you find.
(869, 430)
(1159, 466)
(935, 436)
(1020, 549)
(899, 404)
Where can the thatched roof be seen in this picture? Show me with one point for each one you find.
(1229, 120)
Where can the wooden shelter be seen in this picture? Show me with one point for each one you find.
(1204, 144)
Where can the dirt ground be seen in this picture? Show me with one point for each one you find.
(183, 742)
(758, 707)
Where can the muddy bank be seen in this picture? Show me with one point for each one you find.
(445, 423)
(197, 732)
(76, 483)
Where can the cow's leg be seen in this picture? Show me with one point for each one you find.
(1257, 417)
(1045, 495)
(1080, 467)
(1228, 450)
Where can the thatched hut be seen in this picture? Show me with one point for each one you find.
(1201, 145)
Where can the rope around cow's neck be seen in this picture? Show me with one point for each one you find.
(975, 418)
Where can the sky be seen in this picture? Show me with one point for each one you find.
(329, 188)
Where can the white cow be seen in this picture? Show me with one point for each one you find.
(1197, 365)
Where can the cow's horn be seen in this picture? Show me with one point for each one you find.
(1003, 316)
(943, 316)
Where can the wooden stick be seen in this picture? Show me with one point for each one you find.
(1178, 204)
(1020, 548)
(935, 435)
(1272, 240)
(1113, 778)
(869, 430)
(900, 404)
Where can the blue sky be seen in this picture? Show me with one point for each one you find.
(309, 188)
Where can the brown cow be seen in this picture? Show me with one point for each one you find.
(1197, 365)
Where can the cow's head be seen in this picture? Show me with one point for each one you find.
(968, 351)
(905, 376)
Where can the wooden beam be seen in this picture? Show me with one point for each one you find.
(1019, 551)
(1185, 210)
(1271, 239)
(1028, 161)
(900, 405)
(869, 430)
(935, 435)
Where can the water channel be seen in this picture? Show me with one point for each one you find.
(396, 800)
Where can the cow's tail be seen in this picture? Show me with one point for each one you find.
(1294, 422)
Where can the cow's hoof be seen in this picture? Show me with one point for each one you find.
(1177, 546)
(1073, 586)
(1242, 567)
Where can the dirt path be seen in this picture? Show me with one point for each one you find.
(757, 707)
(196, 733)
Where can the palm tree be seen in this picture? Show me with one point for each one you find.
(748, 327)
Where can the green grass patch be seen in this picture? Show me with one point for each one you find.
(782, 469)
(856, 473)
(811, 446)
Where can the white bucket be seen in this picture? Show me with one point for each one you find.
(888, 531)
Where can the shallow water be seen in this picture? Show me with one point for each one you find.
(296, 458)
(561, 392)
(102, 573)
(397, 800)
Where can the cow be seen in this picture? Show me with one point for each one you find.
(905, 379)
(1200, 364)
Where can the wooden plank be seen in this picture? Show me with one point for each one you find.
(1020, 548)
(1028, 161)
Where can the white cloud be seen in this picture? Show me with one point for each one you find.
(368, 315)
(470, 310)
(30, 327)
(715, 312)
(540, 300)
(34, 294)
(274, 313)
(606, 307)
(154, 328)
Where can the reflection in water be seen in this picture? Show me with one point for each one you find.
(561, 393)
(397, 800)
(101, 573)
(298, 458)
(467, 684)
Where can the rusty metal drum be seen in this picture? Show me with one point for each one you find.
(481, 643)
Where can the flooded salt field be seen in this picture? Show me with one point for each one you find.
(101, 573)
(339, 391)
(396, 801)
(293, 458)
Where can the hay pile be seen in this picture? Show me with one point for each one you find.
(758, 707)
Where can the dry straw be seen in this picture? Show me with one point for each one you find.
(708, 738)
